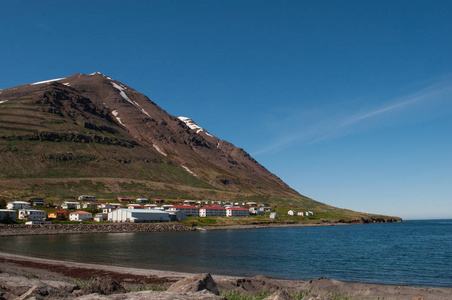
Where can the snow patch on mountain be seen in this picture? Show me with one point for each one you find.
(121, 89)
(3, 101)
(115, 113)
(188, 170)
(159, 150)
(192, 125)
(99, 73)
(47, 81)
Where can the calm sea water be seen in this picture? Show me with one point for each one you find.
(415, 253)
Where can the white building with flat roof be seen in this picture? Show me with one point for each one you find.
(18, 205)
(32, 214)
(212, 211)
(190, 211)
(138, 215)
(80, 216)
(237, 212)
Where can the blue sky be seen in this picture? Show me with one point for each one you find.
(349, 102)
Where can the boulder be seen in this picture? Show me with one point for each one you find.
(24, 288)
(195, 283)
(280, 295)
(104, 285)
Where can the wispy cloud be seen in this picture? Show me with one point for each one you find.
(427, 94)
(344, 123)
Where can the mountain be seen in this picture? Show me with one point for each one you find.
(90, 134)
(86, 126)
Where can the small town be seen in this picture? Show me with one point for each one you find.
(140, 210)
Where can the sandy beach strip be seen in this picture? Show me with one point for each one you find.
(48, 269)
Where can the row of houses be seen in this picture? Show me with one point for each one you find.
(113, 213)
(300, 213)
(190, 210)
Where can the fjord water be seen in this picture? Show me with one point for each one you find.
(417, 253)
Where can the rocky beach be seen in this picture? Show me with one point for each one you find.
(22, 229)
(24, 277)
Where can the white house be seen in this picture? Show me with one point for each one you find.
(237, 212)
(254, 210)
(32, 214)
(217, 202)
(309, 213)
(7, 214)
(138, 215)
(212, 211)
(202, 202)
(71, 205)
(273, 215)
(86, 198)
(18, 205)
(190, 211)
(150, 206)
(301, 213)
(291, 213)
(80, 216)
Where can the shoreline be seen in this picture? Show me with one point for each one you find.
(22, 229)
(48, 269)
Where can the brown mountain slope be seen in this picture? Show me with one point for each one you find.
(94, 126)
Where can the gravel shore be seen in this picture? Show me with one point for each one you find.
(22, 229)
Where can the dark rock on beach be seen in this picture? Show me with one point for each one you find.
(195, 283)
